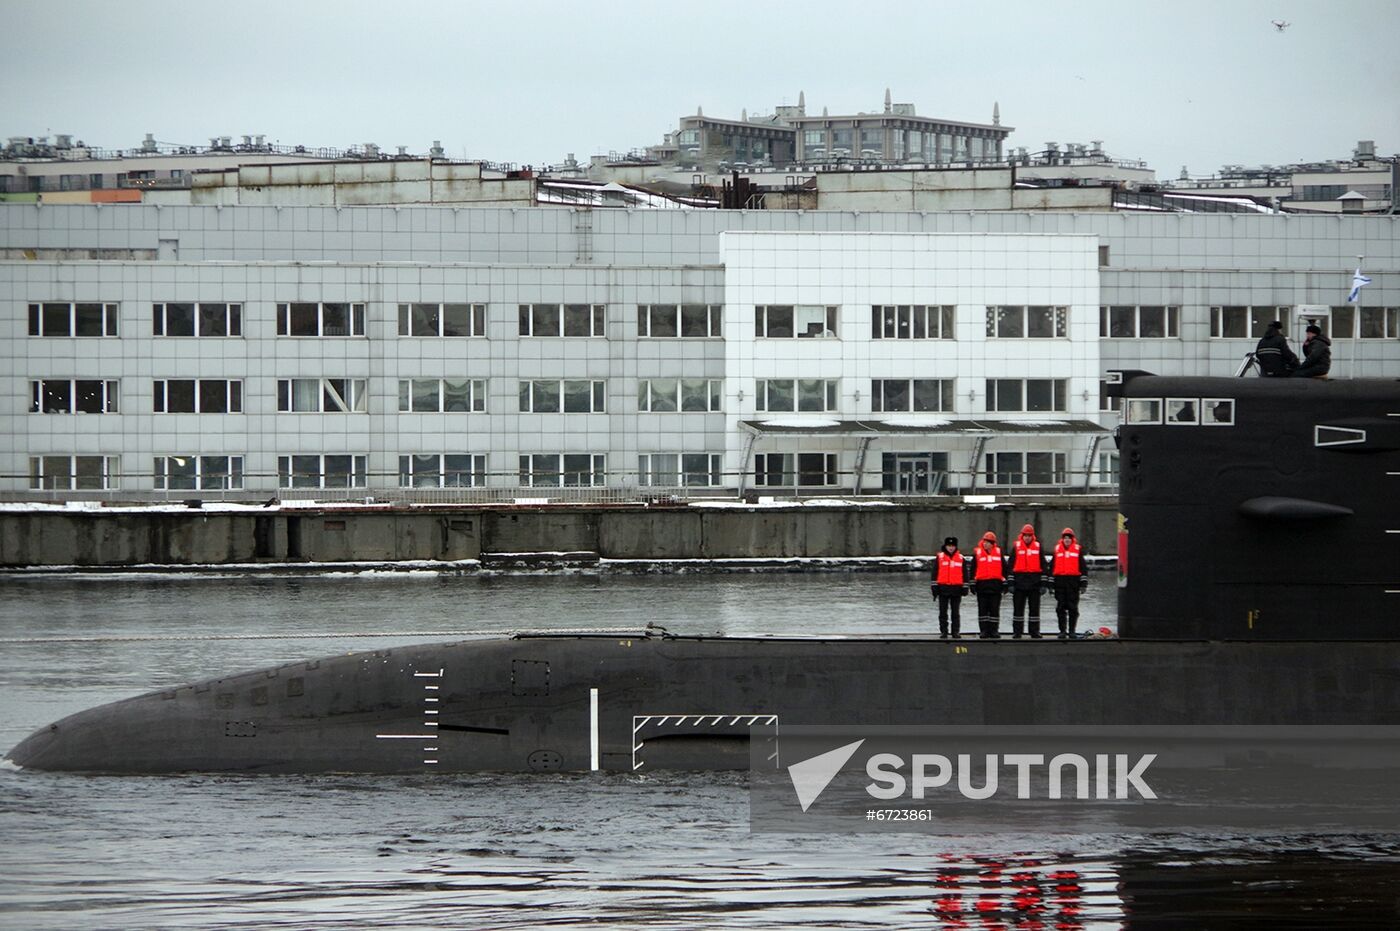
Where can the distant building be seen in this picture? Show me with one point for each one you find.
(789, 136)
(1365, 183)
(254, 172)
(68, 171)
(897, 136)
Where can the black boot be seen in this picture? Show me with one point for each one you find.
(1016, 628)
(1035, 628)
(943, 631)
(957, 630)
(986, 629)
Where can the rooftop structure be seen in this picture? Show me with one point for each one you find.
(1364, 183)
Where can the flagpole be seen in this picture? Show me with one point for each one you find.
(1356, 320)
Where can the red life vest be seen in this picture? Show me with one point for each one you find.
(988, 563)
(1067, 560)
(950, 568)
(1027, 557)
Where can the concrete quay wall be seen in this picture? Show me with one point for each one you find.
(131, 536)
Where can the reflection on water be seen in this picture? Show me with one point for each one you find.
(667, 850)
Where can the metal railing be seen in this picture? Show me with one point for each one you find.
(618, 489)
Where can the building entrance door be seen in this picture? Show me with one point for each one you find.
(919, 473)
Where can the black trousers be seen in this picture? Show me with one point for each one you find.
(949, 601)
(989, 606)
(1067, 602)
(1025, 590)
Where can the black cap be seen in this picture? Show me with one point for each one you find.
(1314, 328)
(1276, 325)
(952, 540)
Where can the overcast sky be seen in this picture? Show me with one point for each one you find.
(1199, 83)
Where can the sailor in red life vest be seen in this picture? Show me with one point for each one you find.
(987, 580)
(1069, 578)
(1027, 566)
(950, 579)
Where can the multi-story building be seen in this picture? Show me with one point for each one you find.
(789, 136)
(277, 349)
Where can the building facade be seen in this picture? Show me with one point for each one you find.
(535, 352)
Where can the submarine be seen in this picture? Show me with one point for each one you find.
(1259, 583)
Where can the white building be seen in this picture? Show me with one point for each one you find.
(155, 350)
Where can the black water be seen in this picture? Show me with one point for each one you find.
(597, 850)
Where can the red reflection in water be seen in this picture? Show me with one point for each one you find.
(1006, 894)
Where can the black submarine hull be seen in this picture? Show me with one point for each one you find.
(578, 703)
(1259, 583)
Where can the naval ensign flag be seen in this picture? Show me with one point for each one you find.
(1358, 281)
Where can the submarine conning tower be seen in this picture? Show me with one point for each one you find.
(1259, 508)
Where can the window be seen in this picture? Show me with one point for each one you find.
(73, 319)
(1106, 402)
(562, 319)
(325, 395)
(1183, 410)
(1027, 322)
(1245, 322)
(205, 396)
(448, 470)
(667, 395)
(801, 394)
(1136, 322)
(196, 319)
(74, 473)
(176, 473)
(569, 470)
(1218, 412)
(1107, 473)
(1375, 322)
(784, 321)
(445, 395)
(679, 320)
(325, 319)
(674, 470)
(316, 471)
(916, 321)
(1025, 468)
(551, 396)
(1142, 410)
(72, 396)
(918, 394)
(1026, 394)
(801, 469)
(442, 320)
